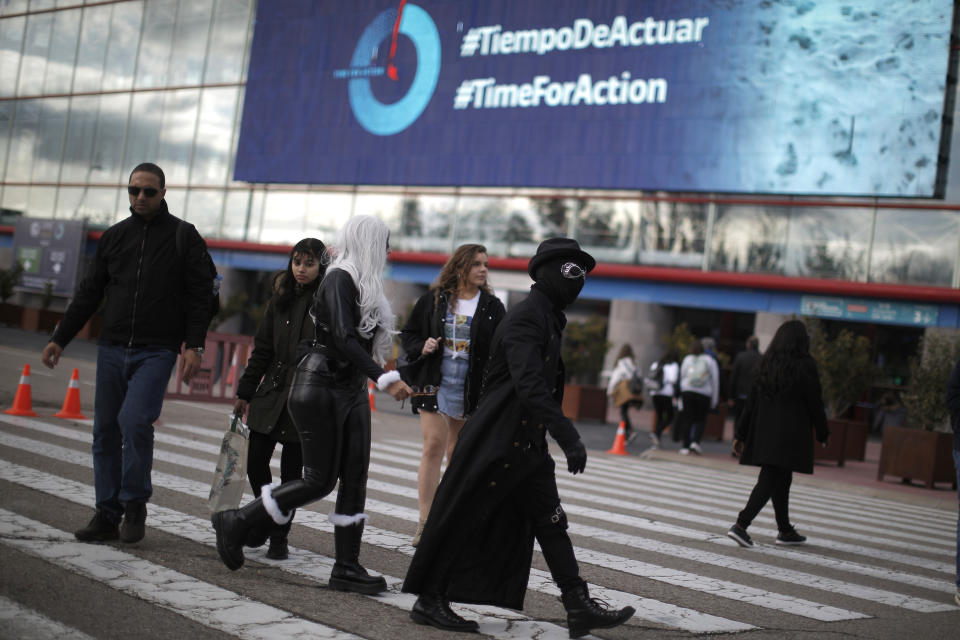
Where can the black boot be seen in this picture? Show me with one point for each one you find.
(102, 528)
(233, 526)
(585, 613)
(434, 610)
(133, 526)
(347, 574)
(278, 549)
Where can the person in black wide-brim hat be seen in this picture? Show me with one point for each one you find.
(499, 492)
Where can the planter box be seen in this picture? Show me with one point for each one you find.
(916, 454)
(582, 402)
(11, 314)
(48, 320)
(715, 423)
(848, 441)
(836, 451)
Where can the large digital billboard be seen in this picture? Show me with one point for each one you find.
(763, 96)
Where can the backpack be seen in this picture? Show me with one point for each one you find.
(655, 382)
(215, 277)
(698, 375)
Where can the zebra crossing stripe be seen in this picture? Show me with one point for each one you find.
(724, 589)
(648, 570)
(202, 602)
(801, 555)
(858, 508)
(859, 548)
(504, 624)
(18, 621)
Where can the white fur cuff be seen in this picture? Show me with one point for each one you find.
(270, 504)
(387, 379)
(341, 520)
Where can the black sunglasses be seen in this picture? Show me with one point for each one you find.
(147, 191)
(572, 271)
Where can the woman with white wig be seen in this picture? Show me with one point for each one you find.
(329, 406)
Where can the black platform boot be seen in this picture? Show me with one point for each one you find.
(585, 613)
(278, 549)
(434, 610)
(347, 574)
(233, 527)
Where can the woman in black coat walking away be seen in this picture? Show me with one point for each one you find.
(263, 388)
(776, 428)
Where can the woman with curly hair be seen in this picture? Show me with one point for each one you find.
(329, 406)
(263, 388)
(447, 341)
(776, 428)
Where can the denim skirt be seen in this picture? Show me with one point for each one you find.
(453, 376)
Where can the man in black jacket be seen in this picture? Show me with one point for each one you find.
(499, 491)
(156, 295)
(741, 375)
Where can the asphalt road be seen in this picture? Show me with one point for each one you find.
(648, 532)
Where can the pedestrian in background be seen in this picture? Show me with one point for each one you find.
(447, 341)
(699, 392)
(664, 387)
(741, 375)
(154, 277)
(953, 405)
(619, 388)
(329, 405)
(263, 389)
(775, 431)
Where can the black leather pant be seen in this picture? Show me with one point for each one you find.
(334, 426)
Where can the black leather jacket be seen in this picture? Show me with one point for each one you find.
(426, 321)
(336, 315)
(153, 297)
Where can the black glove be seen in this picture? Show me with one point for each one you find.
(576, 457)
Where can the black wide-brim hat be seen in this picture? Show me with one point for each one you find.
(560, 248)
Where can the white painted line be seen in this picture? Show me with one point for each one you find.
(202, 602)
(511, 625)
(22, 623)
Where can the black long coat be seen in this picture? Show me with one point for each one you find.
(266, 380)
(426, 321)
(778, 430)
(476, 518)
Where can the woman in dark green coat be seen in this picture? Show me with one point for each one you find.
(263, 388)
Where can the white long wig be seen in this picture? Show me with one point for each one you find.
(361, 251)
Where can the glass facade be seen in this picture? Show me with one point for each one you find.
(88, 90)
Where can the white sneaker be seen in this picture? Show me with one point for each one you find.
(695, 447)
(654, 441)
(684, 451)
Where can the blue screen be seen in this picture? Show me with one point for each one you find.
(804, 97)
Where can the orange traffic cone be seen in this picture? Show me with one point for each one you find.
(71, 403)
(22, 404)
(373, 404)
(620, 441)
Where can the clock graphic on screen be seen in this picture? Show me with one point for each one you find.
(382, 118)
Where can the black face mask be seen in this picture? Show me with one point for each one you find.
(561, 279)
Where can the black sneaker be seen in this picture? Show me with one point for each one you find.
(134, 520)
(101, 528)
(739, 535)
(790, 537)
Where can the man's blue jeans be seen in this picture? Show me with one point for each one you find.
(130, 388)
(956, 465)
